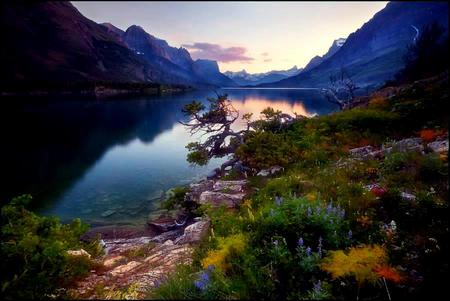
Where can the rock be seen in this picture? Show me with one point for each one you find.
(80, 252)
(197, 188)
(121, 269)
(233, 186)
(113, 260)
(439, 146)
(213, 174)
(169, 235)
(156, 195)
(108, 213)
(167, 222)
(270, 171)
(218, 199)
(361, 152)
(404, 145)
(194, 233)
(407, 196)
(263, 173)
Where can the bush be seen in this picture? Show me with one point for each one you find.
(265, 149)
(34, 252)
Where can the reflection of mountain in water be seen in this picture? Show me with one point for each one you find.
(64, 152)
(51, 143)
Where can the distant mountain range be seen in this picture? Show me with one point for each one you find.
(53, 41)
(243, 78)
(374, 53)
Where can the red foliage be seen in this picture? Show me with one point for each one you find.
(429, 135)
(389, 273)
(378, 191)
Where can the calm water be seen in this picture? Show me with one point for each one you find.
(106, 161)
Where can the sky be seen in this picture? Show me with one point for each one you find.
(255, 36)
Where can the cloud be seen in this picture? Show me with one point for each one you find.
(267, 60)
(218, 53)
(265, 54)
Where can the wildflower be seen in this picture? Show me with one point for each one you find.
(342, 213)
(308, 251)
(211, 267)
(318, 210)
(319, 251)
(317, 287)
(202, 282)
(330, 208)
(393, 225)
(300, 242)
(350, 234)
(388, 273)
(320, 241)
(278, 200)
(309, 211)
(271, 212)
(275, 242)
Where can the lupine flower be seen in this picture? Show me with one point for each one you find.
(318, 210)
(275, 242)
(329, 208)
(308, 251)
(202, 282)
(319, 251)
(300, 242)
(211, 267)
(309, 211)
(320, 240)
(350, 234)
(278, 200)
(271, 212)
(317, 287)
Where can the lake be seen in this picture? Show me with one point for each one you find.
(108, 161)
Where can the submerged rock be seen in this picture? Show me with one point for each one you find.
(108, 213)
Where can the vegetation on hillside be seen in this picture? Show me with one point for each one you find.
(317, 231)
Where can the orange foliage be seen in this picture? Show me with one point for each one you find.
(378, 102)
(388, 273)
(429, 135)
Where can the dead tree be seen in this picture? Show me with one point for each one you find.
(341, 90)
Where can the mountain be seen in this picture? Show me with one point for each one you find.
(243, 78)
(374, 53)
(317, 60)
(208, 70)
(53, 42)
(174, 60)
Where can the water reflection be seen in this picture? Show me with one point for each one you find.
(105, 161)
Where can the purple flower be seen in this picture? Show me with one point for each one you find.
(309, 211)
(342, 213)
(275, 242)
(271, 212)
(329, 208)
(320, 241)
(308, 251)
(317, 286)
(202, 282)
(318, 210)
(300, 242)
(278, 200)
(350, 234)
(211, 267)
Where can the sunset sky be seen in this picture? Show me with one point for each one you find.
(256, 36)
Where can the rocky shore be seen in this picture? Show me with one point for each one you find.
(141, 259)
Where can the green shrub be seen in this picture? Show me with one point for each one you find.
(34, 252)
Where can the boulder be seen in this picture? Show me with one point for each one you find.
(218, 199)
(80, 252)
(404, 145)
(439, 146)
(197, 188)
(121, 269)
(113, 260)
(361, 152)
(167, 222)
(169, 235)
(194, 233)
(233, 186)
(270, 171)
